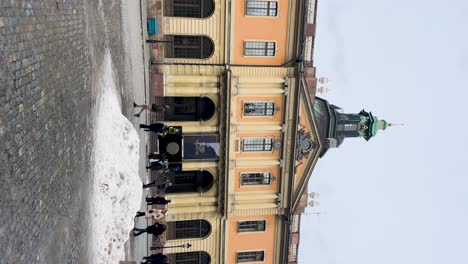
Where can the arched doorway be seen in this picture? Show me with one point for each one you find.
(196, 257)
(189, 8)
(190, 182)
(188, 47)
(188, 229)
(187, 108)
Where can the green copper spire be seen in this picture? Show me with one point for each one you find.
(370, 125)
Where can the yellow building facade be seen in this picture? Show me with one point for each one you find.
(239, 78)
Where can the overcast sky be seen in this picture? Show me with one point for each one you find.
(402, 197)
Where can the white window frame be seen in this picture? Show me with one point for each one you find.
(255, 11)
(274, 48)
(265, 109)
(270, 176)
(253, 261)
(251, 220)
(263, 144)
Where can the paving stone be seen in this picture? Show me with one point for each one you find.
(50, 52)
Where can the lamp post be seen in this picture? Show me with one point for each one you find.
(158, 41)
(188, 245)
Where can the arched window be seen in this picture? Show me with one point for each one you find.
(189, 8)
(197, 257)
(189, 108)
(190, 181)
(188, 47)
(188, 229)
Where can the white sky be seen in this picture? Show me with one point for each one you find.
(403, 196)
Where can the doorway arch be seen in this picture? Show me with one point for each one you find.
(190, 182)
(189, 108)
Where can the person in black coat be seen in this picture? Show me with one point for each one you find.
(158, 128)
(157, 200)
(155, 230)
(157, 164)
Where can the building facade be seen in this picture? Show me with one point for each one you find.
(240, 80)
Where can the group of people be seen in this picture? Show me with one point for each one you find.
(159, 163)
(159, 204)
(156, 229)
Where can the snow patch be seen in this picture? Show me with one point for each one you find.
(117, 188)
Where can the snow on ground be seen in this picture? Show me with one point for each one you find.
(117, 188)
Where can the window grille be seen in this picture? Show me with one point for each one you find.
(259, 108)
(261, 8)
(251, 226)
(188, 8)
(250, 256)
(259, 48)
(188, 47)
(197, 257)
(188, 229)
(257, 144)
(256, 178)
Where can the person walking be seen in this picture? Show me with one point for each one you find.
(157, 156)
(153, 108)
(156, 259)
(158, 128)
(155, 213)
(157, 200)
(161, 186)
(156, 230)
(157, 164)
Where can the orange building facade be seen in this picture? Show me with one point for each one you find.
(240, 79)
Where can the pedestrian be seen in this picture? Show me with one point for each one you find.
(153, 108)
(157, 156)
(157, 200)
(157, 164)
(156, 230)
(159, 186)
(158, 128)
(156, 259)
(155, 213)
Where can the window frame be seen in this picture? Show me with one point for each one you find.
(251, 251)
(265, 109)
(266, 48)
(185, 47)
(243, 144)
(250, 231)
(256, 184)
(192, 229)
(170, 8)
(268, 8)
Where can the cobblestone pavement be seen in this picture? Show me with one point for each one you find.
(50, 52)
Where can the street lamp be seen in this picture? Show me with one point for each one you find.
(188, 245)
(158, 41)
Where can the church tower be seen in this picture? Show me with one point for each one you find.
(335, 125)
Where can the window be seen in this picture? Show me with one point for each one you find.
(261, 8)
(190, 182)
(256, 178)
(250, 256)
(188, 47)
(197, 257)
(188, 8)
(188, 229)
(259, 109)
(259, 48)
(257, 144)
(251, 226)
